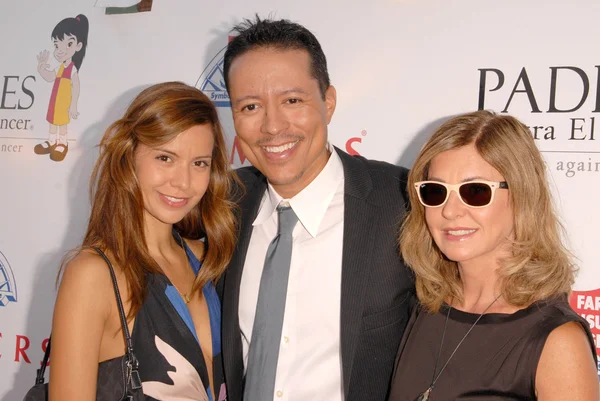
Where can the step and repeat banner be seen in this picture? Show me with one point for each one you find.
(401, 68)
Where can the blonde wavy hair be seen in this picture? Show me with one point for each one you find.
(540, 266)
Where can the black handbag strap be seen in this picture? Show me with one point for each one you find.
(39, 377)
(132, 360)
(128, 341)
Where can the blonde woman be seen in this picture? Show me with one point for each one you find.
(492, 275)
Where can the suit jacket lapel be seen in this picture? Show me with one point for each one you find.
(360, 221)
(232, 344)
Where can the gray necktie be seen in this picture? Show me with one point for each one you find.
(268, 321)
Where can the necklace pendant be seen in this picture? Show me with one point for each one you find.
(186, 298)
(425, 395)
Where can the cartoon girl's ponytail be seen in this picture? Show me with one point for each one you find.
(82, 37)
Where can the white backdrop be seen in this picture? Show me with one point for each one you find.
(400, 69)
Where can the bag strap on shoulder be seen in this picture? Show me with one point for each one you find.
(123, 317)
(133, 376)
(132, 360)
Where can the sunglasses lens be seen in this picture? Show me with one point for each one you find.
(476, 193)
(432, 194)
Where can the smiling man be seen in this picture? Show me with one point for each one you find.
(316, 297)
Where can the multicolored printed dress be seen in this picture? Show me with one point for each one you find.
(60, 99)
(172, 366)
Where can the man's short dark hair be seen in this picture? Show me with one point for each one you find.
(277, 34)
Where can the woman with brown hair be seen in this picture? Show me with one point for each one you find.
(492, 275)
(161, 215)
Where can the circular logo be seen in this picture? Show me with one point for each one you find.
(8, 287)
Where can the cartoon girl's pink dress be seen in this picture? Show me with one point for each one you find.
(60, 99)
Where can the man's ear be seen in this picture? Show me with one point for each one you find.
(330, 101)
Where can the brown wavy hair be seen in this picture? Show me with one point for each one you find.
(156, 116)
(540, 267)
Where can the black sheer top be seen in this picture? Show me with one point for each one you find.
(497, 361)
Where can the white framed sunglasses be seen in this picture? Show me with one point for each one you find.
(476, 193)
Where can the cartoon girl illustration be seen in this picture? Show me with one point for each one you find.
(70, 39)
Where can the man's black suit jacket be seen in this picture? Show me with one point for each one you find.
(377, 289)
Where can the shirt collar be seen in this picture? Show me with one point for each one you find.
(310, 204)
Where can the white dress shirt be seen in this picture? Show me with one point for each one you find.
(309, 366)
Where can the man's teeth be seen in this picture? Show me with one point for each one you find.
(460, 232)
(173, 199)
(279, 149)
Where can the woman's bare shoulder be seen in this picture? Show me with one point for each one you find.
(566, 369)
(86, 275)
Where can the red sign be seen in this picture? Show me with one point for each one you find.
(587, 304)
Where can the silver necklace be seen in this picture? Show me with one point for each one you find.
(424, 396)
